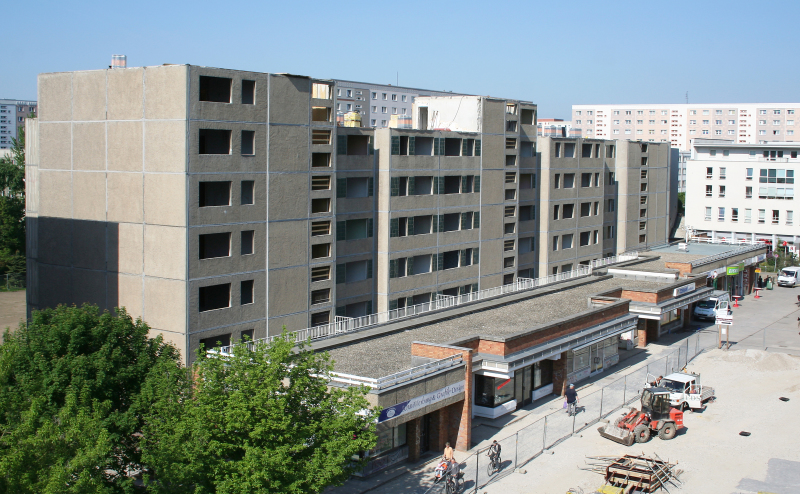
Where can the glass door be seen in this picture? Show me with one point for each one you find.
(527, 388)
(518, 391)
(596, 357)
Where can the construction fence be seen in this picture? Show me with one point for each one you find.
(531, 441)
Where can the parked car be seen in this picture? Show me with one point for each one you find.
(789, 276)
(707, 309)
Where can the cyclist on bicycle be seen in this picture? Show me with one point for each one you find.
(494, 451)
(453, 471)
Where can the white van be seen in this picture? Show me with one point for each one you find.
(707, 309)
(789, 276)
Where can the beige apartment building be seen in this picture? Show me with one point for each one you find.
(678, 124)
(219, 204)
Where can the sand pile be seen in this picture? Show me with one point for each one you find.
(757, 360)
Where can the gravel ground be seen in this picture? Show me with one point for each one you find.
(714, 457)
(388, 354)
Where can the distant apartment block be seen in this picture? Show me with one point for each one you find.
(678, 124)
(12, 116)
(743, 191)
(556, 127)
(219, 204)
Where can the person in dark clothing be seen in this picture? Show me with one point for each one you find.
(572, 399)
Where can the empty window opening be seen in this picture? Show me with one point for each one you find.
(320, 228)
(508, 262)
(597, 179)
(320, 318)
(356, 229)
(215, 89)
(248, 192)
(586, 209)
(452, 147)
(450, 259)
(247, 291)
(558, 150)
(467, 184)
(422, 120)
(320, 182)
(642, 239)
(569, 149)
(214, 245)
(320, 206)
(511, 108)
(509, 228)
(586, 179)
(510, 211)
(423, 146)
(643, 187)
(511, 160)
(320, 251)
(320, 273)
(468, 221)
(511, 194)
(357, 145)
(508, 245)
(511, 126)
(354, 271)
(451, 222)
(422, 186)
(556, 209)
(644, 161)
(215, 194)
(508, 279)
(569, 180)
(526, 116)
(355, 187)
(526, 245)
(359, 309)
(566, 241)
(215, 141)
(586, 151)
(468, 147)
(246, 335)
(419, 264)
(452, 184)
(526, 181)
(610, 152)
(511, 177)
(320, 114)
(450, 292)
(511, 143)
(248, 239)
(526, 149)
(320, 160)
(320, 296)
(584, 240)
(216, 341)
(320, 136)
(569, 211)
(422, 225)
(557, 181)
(320, 91)
(215, 297)
(248, 92)
(527, 213)
(248, 142)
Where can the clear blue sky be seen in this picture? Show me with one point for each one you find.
(552, 53)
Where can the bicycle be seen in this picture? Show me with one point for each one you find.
(454, 485)
(494, 465)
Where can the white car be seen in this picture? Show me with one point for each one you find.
(718, 303)
(789, 276)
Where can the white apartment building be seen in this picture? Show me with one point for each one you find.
(678, 124)
(12, 116)
(743, 191)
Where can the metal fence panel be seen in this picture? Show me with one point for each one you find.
(559, 426)
(613, 397)
(530, 442)
(588, 410)
(508, 454)
(634, 383)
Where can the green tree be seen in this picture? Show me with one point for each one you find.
(12, 207)
(261, 420)
(70, 405)
(682, 202)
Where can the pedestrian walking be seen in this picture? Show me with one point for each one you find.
(572, 399)
(448, 452)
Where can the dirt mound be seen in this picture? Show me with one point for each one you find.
(758, 360)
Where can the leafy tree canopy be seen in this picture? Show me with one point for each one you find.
(257, 421)
(12, 207)
(70, 410)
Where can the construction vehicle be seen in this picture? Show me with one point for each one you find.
(685, 391)
(655, 417)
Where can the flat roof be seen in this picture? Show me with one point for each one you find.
(390, 353)
(696, 250)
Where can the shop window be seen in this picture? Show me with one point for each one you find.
(491, 392)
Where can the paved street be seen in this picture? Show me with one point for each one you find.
(769, 322)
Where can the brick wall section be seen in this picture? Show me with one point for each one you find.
(683, 267)
(413, 429)
(641, 333)
(651, 297)
(459, 415)
(560, 375)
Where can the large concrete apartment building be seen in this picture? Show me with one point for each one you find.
(13, 113)
(219, 204)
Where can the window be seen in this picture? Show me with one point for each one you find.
(642, 239)
(569, 180)
(709, 172)
(747, 215)
(717, 122)
(215, 141)
(762, 112)
(609, 232)
(215, 194)
(320, 160)
(509, 228)
(248, 241)
(762, 214)
(555, 243)
(586, 209)
(749, 175)
(789, 217)
(320, 114)
(568, 211)
(320, 318)
(527, 213)
(320, 182)
(354, 187)
(246, 291)
(584, 239)
(248, 92)
(735, 215)
(721, 191)
(321, 296)
(215, 89)
(320, 251)
(705, 122)
(527, 181)
(353, 272)
(511, 177)
(709, 190)
(354, 229)
(320, 228)
(526, 245)
(566, 241)
(508, 245)
(510, 211)
(214, 245)
(586, 179)
(322, 205)
(748, 192)
(383, 96)
(610, 206)
(508, 262)
(320, 136)
(555, 211)
(708, 214)
(556, 180)
(776, 217)
(320, 273)
(511, 194)
(214, 297)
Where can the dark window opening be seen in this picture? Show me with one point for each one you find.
(450, 259)
(423, 146)
(584, 240)
(526, 213)
(320, 296)
(215, 89)
(526, 117)
(320, 160)
(586, 151)
(508, 279)
(452, 185)
(511, 160)
(610, 152)
(215, 141)
(511, 126)
(569, 211)
(215, 297)
(214, 245)
(248, 92)
(216, 341)
(357, 145)
(320, 114)
(586, 179)
(508, 228)
(248, 237)
(451, 222)
(246, 335)
(215, 194)
(248, 142)
(526, 149)
(511, 194)
(508, 262)
(248, 187)
(569, 149)
(404, 145)
(586, 209)
(320, 318)
(320, 206)
(247, 292)
(422, 186)
(569, 180)
(422, 225)
(320, 251)
(356, 229)
(452, 147)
